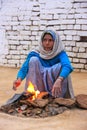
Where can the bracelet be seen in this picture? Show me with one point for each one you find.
(61, 78)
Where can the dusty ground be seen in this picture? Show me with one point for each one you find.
(75, 119)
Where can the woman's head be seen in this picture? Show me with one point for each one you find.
(50, 44)
(48, 39)
(47, 42)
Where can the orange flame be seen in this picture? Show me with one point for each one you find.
(31, 89)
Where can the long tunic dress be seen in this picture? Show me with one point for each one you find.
(43, 73)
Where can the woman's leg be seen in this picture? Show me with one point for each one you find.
(34, 74)
(43, 78)
(50, 76)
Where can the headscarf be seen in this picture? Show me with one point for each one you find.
(57, 47)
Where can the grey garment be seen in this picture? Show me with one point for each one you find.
(43, 78)
(69, 92)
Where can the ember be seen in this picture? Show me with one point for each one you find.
(44, 105)
(39, 104)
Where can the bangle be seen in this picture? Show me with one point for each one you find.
(60, 78)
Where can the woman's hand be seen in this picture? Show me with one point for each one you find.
(57, 88)
(16, 83)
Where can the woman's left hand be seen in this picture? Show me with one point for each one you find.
(57, 88)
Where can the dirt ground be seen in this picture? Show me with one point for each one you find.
(74, 119)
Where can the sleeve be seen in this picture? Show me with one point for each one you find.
(66, 65)
(24, 69)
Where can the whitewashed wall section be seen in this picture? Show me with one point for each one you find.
(24, 21)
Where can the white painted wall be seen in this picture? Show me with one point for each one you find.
(21, 24)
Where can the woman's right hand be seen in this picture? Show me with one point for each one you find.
(16, 83)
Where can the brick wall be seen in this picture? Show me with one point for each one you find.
(21, 24)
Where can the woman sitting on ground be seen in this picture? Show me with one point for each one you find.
(48, 67)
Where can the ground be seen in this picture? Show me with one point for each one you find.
(74, 119)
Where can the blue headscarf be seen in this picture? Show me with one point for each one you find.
(52, 33)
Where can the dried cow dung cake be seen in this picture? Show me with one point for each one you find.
(44, 105)
(81, 101)
(65, 102)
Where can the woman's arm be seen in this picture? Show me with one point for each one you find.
(21, 74)
(65, 64)
(24, 69)
(66, 69)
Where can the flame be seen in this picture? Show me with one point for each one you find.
(31, 89)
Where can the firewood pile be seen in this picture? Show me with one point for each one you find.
(43, 106)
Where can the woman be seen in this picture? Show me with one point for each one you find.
(48, 67)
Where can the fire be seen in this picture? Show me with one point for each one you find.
(31, 89)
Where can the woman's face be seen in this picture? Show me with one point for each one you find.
(48, 42)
